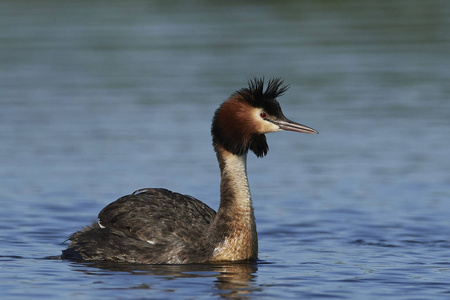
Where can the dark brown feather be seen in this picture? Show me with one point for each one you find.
(171, 219)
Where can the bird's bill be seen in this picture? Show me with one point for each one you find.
(293, 126)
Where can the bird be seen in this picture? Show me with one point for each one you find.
(158, 226)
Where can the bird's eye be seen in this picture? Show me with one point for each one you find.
(263, 115)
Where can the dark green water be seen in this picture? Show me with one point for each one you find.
(98, 99)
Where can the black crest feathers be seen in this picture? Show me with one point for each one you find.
(256, 96)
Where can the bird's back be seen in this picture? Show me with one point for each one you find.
(148, 226)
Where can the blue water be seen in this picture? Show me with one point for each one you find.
(100, 99)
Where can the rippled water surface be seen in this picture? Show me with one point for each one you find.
(98, 99)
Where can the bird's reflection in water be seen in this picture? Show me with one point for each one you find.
(236, 279)
(233, 280)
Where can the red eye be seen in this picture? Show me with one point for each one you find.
(263, 115)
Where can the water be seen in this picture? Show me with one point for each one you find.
(100, 99)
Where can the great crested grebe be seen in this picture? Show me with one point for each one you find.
(157, 226)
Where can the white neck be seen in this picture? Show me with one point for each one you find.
(234, 183)
(234, 227)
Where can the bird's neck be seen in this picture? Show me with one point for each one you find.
(234, 228)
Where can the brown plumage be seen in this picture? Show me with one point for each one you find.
(157, 226)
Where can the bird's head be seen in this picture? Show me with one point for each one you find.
(242, 121)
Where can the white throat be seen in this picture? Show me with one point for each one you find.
(235, 175)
